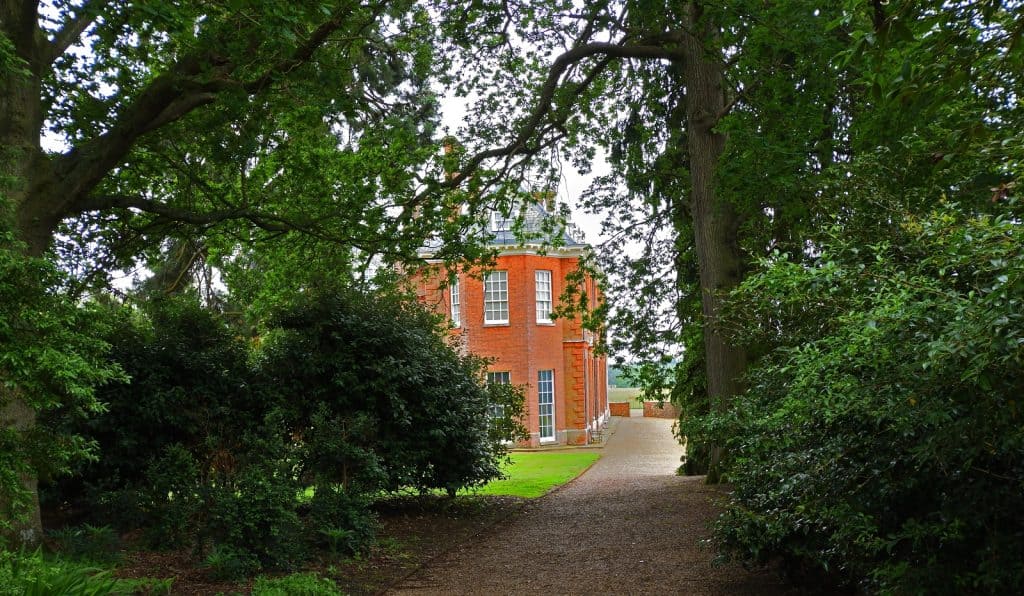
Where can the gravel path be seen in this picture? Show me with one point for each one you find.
(629, 525)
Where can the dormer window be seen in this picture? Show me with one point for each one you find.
(501, 223)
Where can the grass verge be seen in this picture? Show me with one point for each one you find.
(533, 474)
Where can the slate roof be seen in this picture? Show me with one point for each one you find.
(532, 230)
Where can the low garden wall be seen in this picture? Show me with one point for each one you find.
(619, 408)
(656, 409)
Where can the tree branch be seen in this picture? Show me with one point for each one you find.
(204, 219)
(547, 91)
(208, 218)
(305, 51)
(72, 29)
(183, 88)
(653, 48)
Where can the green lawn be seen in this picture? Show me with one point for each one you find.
(532, 474)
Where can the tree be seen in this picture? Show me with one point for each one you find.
(662, 95)
(878, 444)
(178, 117)
(52, 356)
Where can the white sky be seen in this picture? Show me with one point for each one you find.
(453, 114)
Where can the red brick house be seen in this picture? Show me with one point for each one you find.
(504, 313)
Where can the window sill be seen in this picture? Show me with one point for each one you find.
(546, 323)
(496, 324)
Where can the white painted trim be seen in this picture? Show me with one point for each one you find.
(554, 420)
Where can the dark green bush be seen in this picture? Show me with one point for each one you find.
(254, 512)
(189, 379)
(226, 563)
(376, 369)
(211, 445)
(882, 444)
(342, 519)
(171, 498)
(94, 544)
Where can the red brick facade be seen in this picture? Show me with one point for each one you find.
(533, 351)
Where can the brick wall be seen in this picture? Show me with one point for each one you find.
(653, 409)
(525, 347)
(620, 408)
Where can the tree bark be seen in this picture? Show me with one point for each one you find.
(715, 220)
(20, 159)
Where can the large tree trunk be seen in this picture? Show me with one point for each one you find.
(715, 220)
(21, 159)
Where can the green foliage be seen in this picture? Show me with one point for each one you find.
(343, 520)
(252, 514)
(95, 544)
(167, 501)
(881, 444)
(297, 584)
(209, 447)
(192, 370)
(507, 412)
(376, 371)
(226, 563)
(52, 358)
(32, 574)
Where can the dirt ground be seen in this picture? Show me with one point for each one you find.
(628, 525)
(413, 532)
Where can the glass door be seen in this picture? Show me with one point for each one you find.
(546, 404)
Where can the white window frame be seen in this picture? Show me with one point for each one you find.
(546, 397)
(499, 377)
(543, 288)
(496, 298)
(456, 303)
(500, 223)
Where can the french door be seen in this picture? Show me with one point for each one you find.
(546, 404)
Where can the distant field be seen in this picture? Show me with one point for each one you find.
(630, 394)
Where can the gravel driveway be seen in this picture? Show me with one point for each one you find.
(629, 525)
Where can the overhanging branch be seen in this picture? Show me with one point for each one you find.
(196, 218)
(186, 86)
(656, 48)
(72, 29)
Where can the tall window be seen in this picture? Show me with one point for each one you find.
(496, 297)
(497, 411)
(543, 283)
(453, 290)
(546, 404)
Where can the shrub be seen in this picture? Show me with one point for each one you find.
(189, 380)
(88, 543)
(342, 520)
(297, 584)
(376, 369)
(254, 515)
(881, 444)
(351, 393)
(227, 563)
(170, 499)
